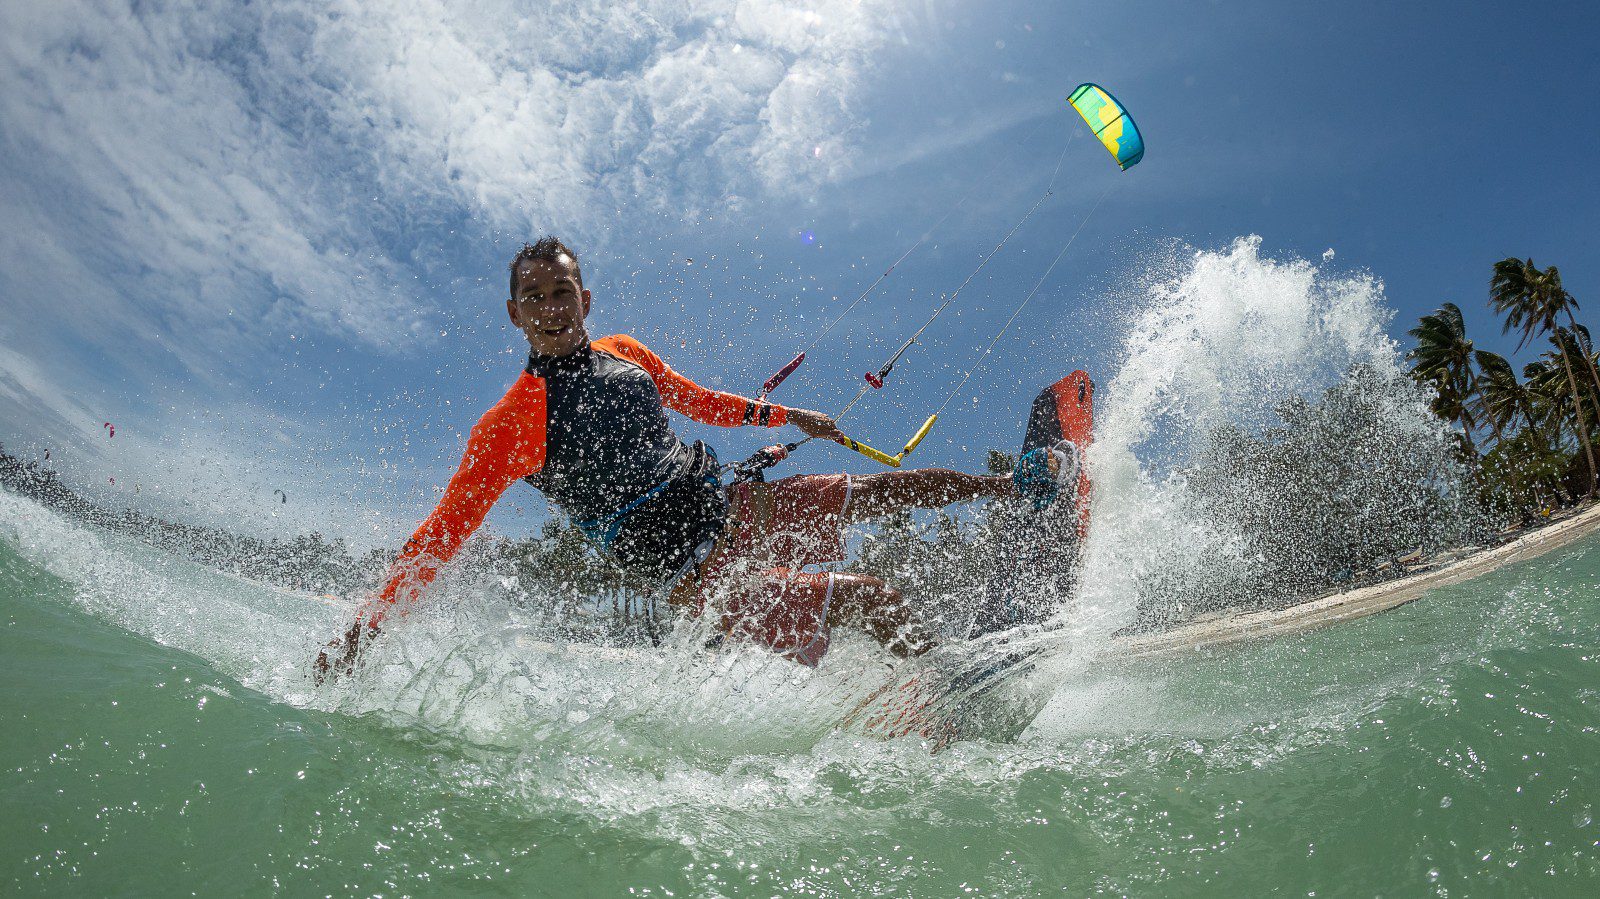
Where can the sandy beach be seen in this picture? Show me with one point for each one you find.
(1238, 627)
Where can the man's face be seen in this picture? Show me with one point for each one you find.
(549, 306)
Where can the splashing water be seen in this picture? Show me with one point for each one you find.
(1218, 340)
(1222, 347)
(479, 745)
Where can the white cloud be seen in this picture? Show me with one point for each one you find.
(256, 154)
(533, 117)
(148, 157)
(31, 404)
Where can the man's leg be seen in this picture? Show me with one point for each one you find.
(793, 613)
(808, 513)
(870, 603)
(876, 495)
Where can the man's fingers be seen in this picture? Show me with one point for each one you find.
(319, 668)
(338, 658)
(816, 424)
(327, 664)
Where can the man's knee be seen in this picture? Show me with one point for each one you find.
(854, 589)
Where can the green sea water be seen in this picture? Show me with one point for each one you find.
(158, 738)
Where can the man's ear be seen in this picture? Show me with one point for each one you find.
(586, 299)
(511, 310)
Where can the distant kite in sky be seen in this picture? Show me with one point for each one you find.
(1110, 123)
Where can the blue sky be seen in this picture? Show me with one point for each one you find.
(269, 240)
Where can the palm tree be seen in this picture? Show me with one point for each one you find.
(1443, 358)
(1500, 398)
(1575, 343)
(1531, 301)
(1549, 396)
(1584, 345)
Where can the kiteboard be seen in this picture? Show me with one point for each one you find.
(960, 690)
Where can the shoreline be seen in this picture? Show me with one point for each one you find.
(1232, 629)
(29, 480)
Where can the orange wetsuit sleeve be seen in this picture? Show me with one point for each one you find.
(712, 407)
(506, 445)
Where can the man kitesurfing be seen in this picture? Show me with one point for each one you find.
(586, 424)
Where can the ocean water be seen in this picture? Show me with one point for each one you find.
(159, 733)
(1447, 748)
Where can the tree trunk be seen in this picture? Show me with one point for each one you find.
(1464, 418)
(1472, 446)
(1583, 423)
(1495, 429)
(1594, 373)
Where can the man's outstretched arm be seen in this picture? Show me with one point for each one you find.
(505, 446)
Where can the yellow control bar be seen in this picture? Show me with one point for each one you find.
(875, 455)
(894, 461)
(917, 437)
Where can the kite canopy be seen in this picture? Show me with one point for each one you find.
(1110, 122)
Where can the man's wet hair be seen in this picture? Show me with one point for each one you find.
(546, 249)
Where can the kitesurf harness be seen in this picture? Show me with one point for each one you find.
(657, 534)
(666, 534)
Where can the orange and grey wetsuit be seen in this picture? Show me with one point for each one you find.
(591, 431)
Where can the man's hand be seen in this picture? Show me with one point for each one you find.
(338, 658)
(815, 424)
